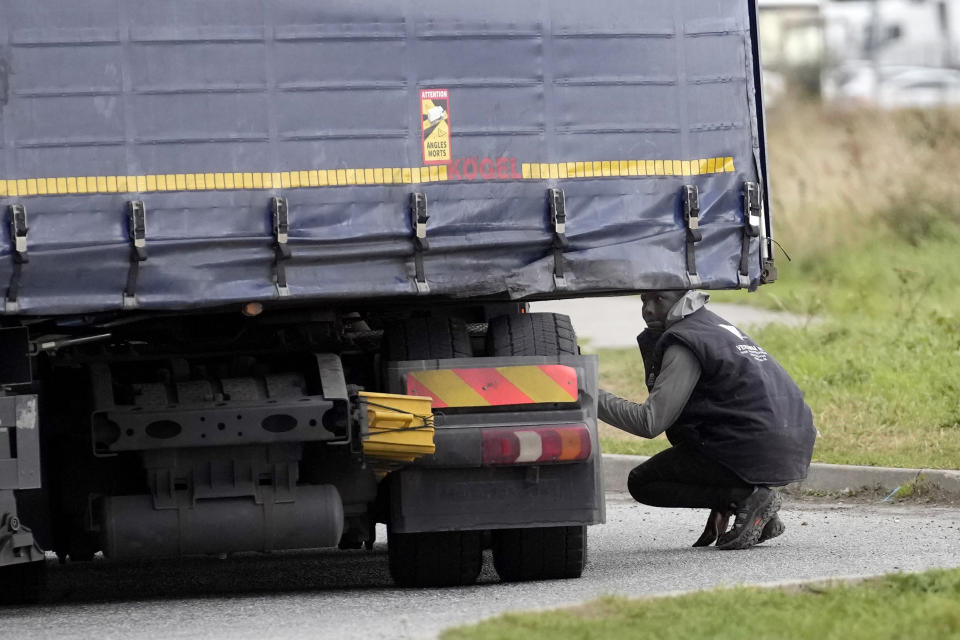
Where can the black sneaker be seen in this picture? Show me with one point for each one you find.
(772, 529)
(753, 514)
(716, 526)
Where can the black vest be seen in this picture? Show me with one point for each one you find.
(745, 412)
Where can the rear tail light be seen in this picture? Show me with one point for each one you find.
(528, 445)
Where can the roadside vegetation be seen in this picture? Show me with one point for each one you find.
(898, 606)
(868, 205)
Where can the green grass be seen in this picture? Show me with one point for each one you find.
(891, 276)
(925, 605)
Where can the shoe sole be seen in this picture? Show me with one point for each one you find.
(751, 535)
(769, 532)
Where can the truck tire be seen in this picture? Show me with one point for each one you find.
(540, 553)
(432, 558)
(536, 553)
(427, 339)
(531, 334)
(23, 583)
(435, 558)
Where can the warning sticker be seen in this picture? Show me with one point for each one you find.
(435, 110)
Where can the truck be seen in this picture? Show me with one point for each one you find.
(267, 265)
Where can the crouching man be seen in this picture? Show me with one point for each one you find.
(737, 421)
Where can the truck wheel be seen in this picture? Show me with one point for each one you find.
(426, 339)
(23, 583)
(539, 553)
(531, 334)
(435, 559)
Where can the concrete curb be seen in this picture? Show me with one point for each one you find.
(832, 478)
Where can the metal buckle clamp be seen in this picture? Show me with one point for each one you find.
(752, 212)
(137, 216)
(280, 218)
(137, 232)
(558, 210)
(558, 220)
(18, 231)
(691, 212)
(18, 237)
(419, 217)
(752, 208)
(691, 218)
(418, 220)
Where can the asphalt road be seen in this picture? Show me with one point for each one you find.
(640, 551)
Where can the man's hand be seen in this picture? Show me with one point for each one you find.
(647, 341)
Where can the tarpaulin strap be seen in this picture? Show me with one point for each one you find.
(558, 221)
(752, 209)
(691, 218)
(137, 231)
(281, 235)
(18, 237)
(418, 219)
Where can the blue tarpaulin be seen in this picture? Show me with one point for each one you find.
(205, 111)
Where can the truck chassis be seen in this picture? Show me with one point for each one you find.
(171, 436)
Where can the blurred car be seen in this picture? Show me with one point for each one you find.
(893, 86)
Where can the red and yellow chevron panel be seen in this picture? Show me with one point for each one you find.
(495, 386)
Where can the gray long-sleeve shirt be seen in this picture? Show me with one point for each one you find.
(679, 373)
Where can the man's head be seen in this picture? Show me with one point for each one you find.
(656, 306)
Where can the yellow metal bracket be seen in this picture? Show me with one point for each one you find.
(399, 427)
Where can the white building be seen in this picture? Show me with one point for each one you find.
(900, 32)
(791, 32)
(887, 52)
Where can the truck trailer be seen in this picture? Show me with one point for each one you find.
(266, 265)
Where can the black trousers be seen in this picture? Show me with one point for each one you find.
(680, 477)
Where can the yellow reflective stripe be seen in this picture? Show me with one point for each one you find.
(315, 178)
(450, 388)
(535, 384)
